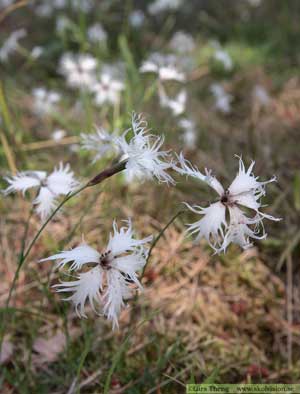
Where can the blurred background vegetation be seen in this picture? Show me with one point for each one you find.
(225, 319)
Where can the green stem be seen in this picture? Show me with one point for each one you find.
(160, 234)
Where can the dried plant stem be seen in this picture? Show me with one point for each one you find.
(49, 143)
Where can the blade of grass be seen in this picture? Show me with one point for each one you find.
(160, 234)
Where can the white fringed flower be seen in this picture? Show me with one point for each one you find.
(260, 95)
(79, 70)
(165, 66)
(222, 98)
(245, 191)
(60, 182)
(142, 152)
(108, 284)
(182, 42)
(44, 101)
(177, 105)
(11, 44)
(101, 143)
(189, 136)
(107, 89)
(136, 18)
(97, 34)
(224, 58)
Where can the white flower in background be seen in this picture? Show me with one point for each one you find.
(97, 34)
(136, 18)
(58, 134)
(255, 3)
(159, 6)
(60, 182)
(261, 95)
(11, 44)
(244, 192)
(82, 5)
(60, 4)
(113, 276)
(189, 136)
(182, 42)
(165, 66)
(44, 101)
(220, 55)
(36, 52)
(142, 152)
(224, 58)
(79, 70)
(222, 98)
(5, 3)
(177, 104)
(107, 89)
(63, 23)
(101, 143)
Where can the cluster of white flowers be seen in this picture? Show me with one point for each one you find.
(235, 217)
(165, 66)
(182, 43)
(44, 101)
(11, 44)
(113, 276)
(144, 159)
(222, 98)
(60, 182)
(80, 71)
(245, 191)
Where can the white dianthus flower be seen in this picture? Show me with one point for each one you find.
(245, 191)
(79, 70)
(11, 44)
(96, 33)
(109, 283)
(136, 18)
(142, 152)
(182, 42)
(44, 101)
(60, 182)
(189, 136)
(222, 98)
(101, 142)
(224, 58)
(107, 89)
(177, 105)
